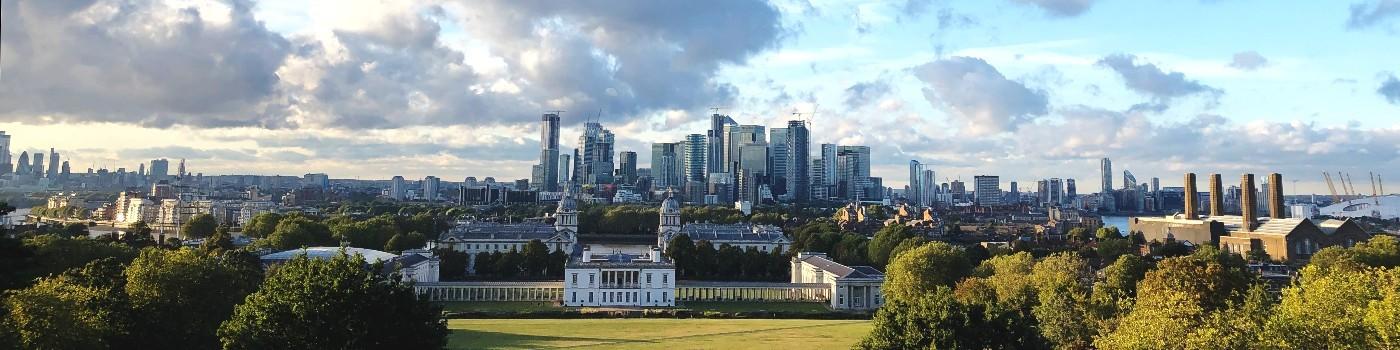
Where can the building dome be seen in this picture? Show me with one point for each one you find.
(567, 203)
(670, 205)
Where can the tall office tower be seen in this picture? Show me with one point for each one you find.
(1070, 191)
(779, 158)
(564, 165)
(549, 153)
(1247, 203)
(1276, 196)
(693, 162)
(1057, 191)
(1217, 196)
(987, 189)
(736, 136)
(141, 170)
(66, 170)
(1106, 172)
(714, 153)
(797, 147)
(159, 169)
(1189, 188)
(593, 160)
(752, 169)
(929, 185)
(431, 186)
(853, 171)
(397, 188)
(1129, 181)
(627, 167)
(958, 190)
(1015, 193)
(1156, 185)
(6, 166)
(180, 170)
(1042, 191)
(38, 168)
(915, 194)
(667, 164)
(829, 168)
(22, 165)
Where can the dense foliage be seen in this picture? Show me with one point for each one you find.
(703, 261)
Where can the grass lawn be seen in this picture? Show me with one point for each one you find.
(739, 306)
(670, 334)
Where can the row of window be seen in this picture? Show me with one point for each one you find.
(621, 297)
(593, 279)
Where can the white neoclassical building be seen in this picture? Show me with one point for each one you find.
(483, 237)
(851, 287)
(764, 238)
(619, 279)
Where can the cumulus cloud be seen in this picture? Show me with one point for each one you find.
(1369, 13)
(863, 93)
(1148, 79)
(978, 97)
(1390, 89)
(145, 62)
(1060, 8)
(162, 63)
(1248, 60)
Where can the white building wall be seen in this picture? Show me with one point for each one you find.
(654, 288)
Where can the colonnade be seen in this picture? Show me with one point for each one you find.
(820, 293)
(491, 293)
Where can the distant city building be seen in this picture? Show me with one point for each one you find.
(988, 189)
(778, 161)
(798, 141)
(158, 170)
(548, 168)
(715, 152)
(397, 189)
(6, 165)
(853, 172)
(627, 167)
(593, 160)
(52, 172)
(22, 165)
(667, 165)
(432, 185)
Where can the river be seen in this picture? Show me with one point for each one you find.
(1121, 222)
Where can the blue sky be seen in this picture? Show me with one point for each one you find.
(1025, 89)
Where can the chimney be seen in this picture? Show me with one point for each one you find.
(655, 254)
(1247, 202)
(1217, 196)
(1276, 197)
(1190, 184)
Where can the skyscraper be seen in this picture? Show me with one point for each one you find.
(853, 171)
(915, 194)
(593, 160)
(714, 155)
(549, 153)
(828, 169)
(1070, 190)
(627, 167)
(180, 170)
(1106, 171)
(929, 185)
(38, 168)
(564, 165)
(159, 169)
(22, 165)
(1057, 191)
(396, 188)
(736, 136)
(666, 165)
(987, 189)
(693, 161)
(431, 186)
(798, 183)
(5, 165)
(780, 157)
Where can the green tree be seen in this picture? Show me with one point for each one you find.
(220, 241)
(536, 258)
(182, 296)
(199, 226)
(1111, 249)
(1078, 235)
(138, 235)
(261, 225)
(1063, 301)
(682, 252)
(51, 255)
(335, 303)
(1107, 233)
(83, 308)
(921, 269)
(1338, 309)
(908, 244)
(296, 232)
(885, 241)
(1175, 299)
(931, 320)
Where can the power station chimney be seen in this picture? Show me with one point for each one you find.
(1190, 183)
(1217, 196)
(1276, 196)
(1247, 202)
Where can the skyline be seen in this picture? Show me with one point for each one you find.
(1020, 89)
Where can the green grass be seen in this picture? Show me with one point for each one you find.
(669, 334)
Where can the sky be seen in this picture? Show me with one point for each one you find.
(1023, 89)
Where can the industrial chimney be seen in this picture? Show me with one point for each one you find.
(1276, 196)
(1247, 202)
(1190, 183)
(1217, 196)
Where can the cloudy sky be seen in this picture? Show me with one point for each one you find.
(1025, 89)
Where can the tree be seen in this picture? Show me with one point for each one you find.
(51, 255)
(261, 225)
(908, 244)
(682, 252)
(75, 230)
(335, 303)
(1175, 299)
(374, 233)
(921, 269)
(932, 320)
(1063, 301)
(297, 232)
(1111, 249)
(138, 235)
(182, 296)
(1078, 235)
(885, 241)
(1107, 233)
(220, 241)
(1338, 309)
(199, 226)
(82, 308)
(452, 264)
(536, 258)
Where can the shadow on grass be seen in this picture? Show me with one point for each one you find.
(474, 339)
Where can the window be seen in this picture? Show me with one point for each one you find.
(664, 278)
(648, 278)
(664, 296)
(590, 297)
(573, 297)
(590, 279)
(841, 300)
(575, 279)
(648, 297)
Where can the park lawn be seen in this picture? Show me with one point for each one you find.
(743, 306)
(666, 333)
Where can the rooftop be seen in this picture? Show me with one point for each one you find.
(733, 232)
(491, 230)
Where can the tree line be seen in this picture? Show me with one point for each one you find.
(936, 297)
(703, 261)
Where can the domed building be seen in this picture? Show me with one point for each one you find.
(481, 237)
(764, 238)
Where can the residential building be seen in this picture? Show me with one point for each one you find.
(987, 189)
(798, 183)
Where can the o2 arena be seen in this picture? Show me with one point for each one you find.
(1383, 207)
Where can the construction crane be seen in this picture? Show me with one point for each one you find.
(1331, 187)
(1375, 191)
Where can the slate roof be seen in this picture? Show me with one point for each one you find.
(842, 271)
(498, 231)
(734, 233)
